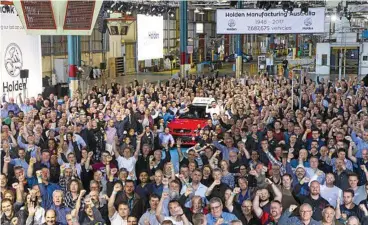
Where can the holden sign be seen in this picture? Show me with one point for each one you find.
(150, 37)
(19, 51)
(13, 59)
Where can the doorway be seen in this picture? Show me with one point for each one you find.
(349, 61)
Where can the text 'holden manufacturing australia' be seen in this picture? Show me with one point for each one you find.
(268, 14)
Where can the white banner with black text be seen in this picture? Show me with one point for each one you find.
(272, 21)
(150, 37)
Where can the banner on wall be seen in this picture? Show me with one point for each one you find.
(258, 21)
(19, 51)
(150, 37)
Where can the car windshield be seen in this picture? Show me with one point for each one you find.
(195, 112)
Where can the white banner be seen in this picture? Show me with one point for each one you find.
(19, 51)
(258, 21)
(150, 37)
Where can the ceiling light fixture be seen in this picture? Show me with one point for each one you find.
(349, 16)
(196, 10)
(207, 7)
(333, 17)
(201, 12)
(266, 6)
(304, 8)
(291, 7)
(287, 6)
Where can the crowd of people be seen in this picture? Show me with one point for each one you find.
(265, 156)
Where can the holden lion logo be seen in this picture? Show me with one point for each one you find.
(231, 23)
(308, 22)
(13, 60)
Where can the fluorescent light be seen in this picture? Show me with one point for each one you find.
(333, 17)
(196, 10)
(207, 8)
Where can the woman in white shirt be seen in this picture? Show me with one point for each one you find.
(36, 214)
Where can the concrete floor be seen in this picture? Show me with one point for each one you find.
(149, 77)
(227, 69)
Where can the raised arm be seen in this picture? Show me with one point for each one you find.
(88, 161)
(20, 143)
(275, 189)
(257, 210)
(138, 148)
(97, 215)
(110, 205)
(31, 213)
(20, 189)
(182, 215)
(79, 199)
(116, 152)
(32, 161)
(230, 201)
(108, 168)
(14, 131)
(178, 148)
(20, 98)
(272, 159)
(337, 210)
(7, 161)
(210, 188)
(213, 161)
(350, 153)
(159, 215)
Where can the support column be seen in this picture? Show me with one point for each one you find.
(271, 42)
(296, 48)
(239, 58)
(227, 45)
(183, 36)
(72, 61)
(78, 50)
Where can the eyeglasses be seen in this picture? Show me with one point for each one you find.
(215, 207)
(306, 211)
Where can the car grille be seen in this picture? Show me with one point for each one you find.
(184, 138)
(182, 131)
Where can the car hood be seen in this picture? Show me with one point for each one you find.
(187, 123)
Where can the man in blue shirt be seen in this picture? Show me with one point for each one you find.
(21, 161)
(166, 138)
(225, 150)
(217, 213)
(59, 207)
(11, 105)
(361, 143)
(46, 188)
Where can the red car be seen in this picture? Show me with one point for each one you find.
(188, 124)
